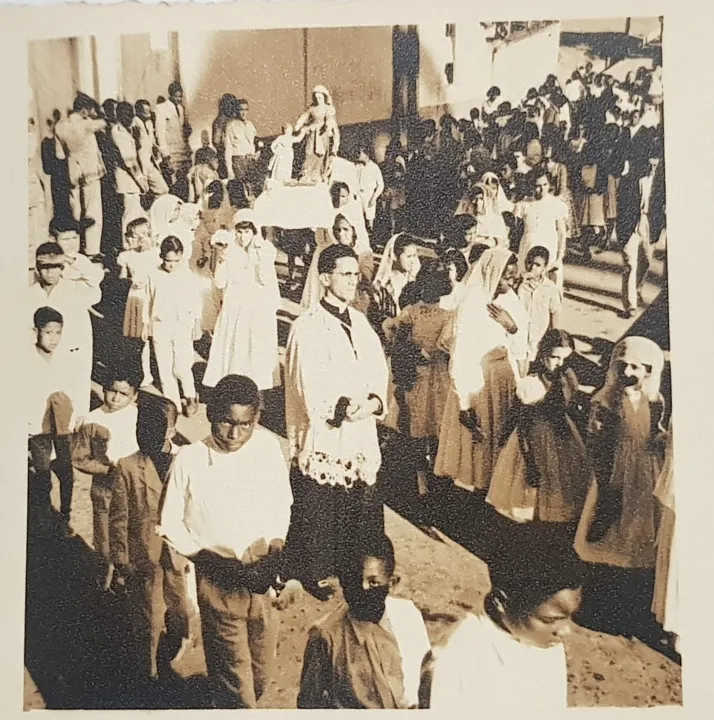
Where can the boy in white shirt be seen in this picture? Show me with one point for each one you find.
(101, 439)
(371, 184)
(172, 318)
(540, 298)
(50, 415)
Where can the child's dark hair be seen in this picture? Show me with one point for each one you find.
(402, 243)
(171, 244)
(49, 249)
(232, 390)
(46, 315)
(335, 189)
(123, 370)
(216, 193)
(134, 224)
(456, 229)
(537, 252)
(205, 155)
(432, 284)
(457, 259)
(476, 252)
(367, 545)
(553, 339)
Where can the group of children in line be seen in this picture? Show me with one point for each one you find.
(480, 384)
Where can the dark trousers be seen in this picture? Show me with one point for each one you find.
(40, 449)
(101, 495)
(158, 599)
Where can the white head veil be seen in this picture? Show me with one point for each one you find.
(635, 349)
(322, 90)
(163, 214)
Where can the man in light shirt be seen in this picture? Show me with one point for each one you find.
(148, 151)
(173, 131)
(239, 142)
(641, 220)
(227, 508)
(77, 143)
(371, 184)
(130, 180)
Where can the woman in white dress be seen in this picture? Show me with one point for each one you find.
(245, 341)
(164, 215)
(509, 658)
(486, 341)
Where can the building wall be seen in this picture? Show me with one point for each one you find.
(525, 63)
(53, 76)
(147, 66)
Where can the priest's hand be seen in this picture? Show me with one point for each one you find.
(356, 412)
(288, 594)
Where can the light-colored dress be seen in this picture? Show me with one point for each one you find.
(486, 669)
(246, 337)
(484, 371)
(139, 266)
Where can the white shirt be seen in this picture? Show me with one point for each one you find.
(485, 667)
(120, 427)
(539, 302)
(124, 141)
(49, 375)
(224, 502)
(173, 298)
(239, 138)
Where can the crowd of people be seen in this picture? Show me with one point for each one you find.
(450, 343)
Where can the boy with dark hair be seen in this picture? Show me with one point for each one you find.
(101, 439)
(153, 574)
(369, 653)
(50, 415)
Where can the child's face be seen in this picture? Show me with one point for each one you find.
(48, 337)
(536, 268)
(408, 259)
(49, 269)
(119, 395)
(69, 242)
(214, 164)
(245, 236)
(171, 261)
(141, 237)
(243, 111)
(288, 129)
(557, 359)
(343, 197)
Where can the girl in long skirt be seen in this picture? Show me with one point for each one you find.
(618, 529)
(487, 340)
(543, 471)
(421, 367)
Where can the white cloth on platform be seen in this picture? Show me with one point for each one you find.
(294, 207)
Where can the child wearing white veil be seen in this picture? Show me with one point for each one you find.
(399, 265)
(486, 342)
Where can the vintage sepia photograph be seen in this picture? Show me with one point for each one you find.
(348, 369)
